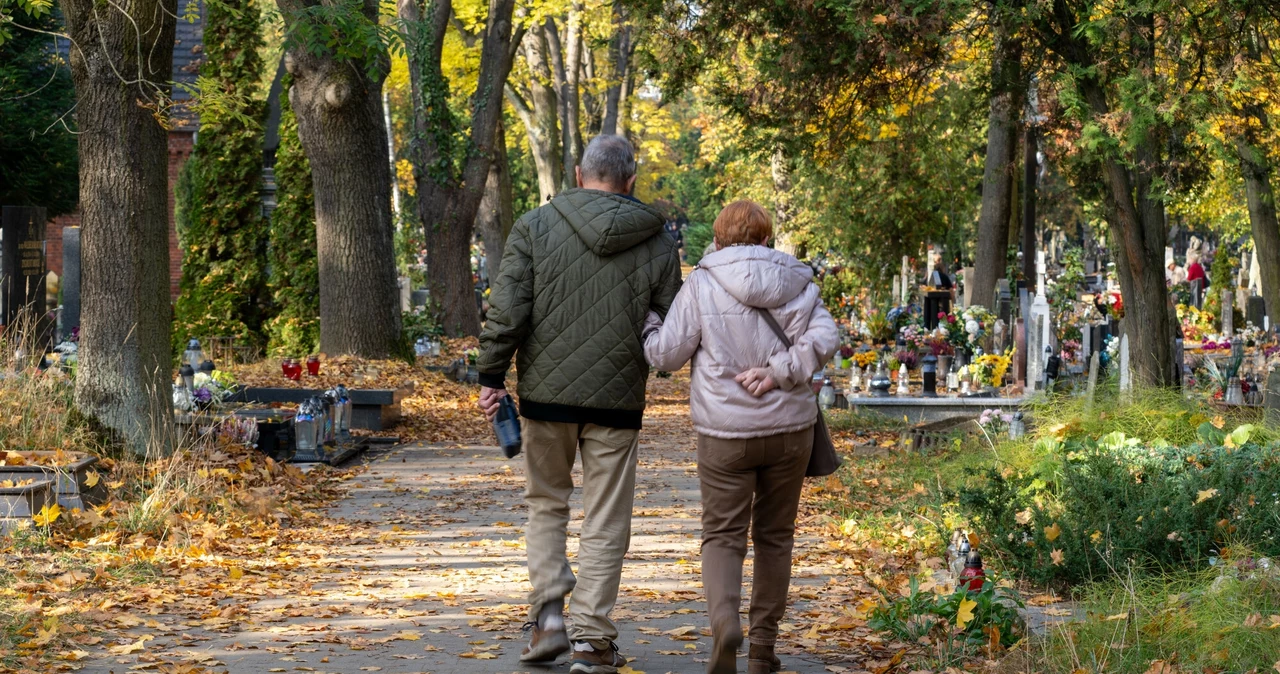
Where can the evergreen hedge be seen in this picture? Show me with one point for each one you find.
(224, 254)
(295, 274)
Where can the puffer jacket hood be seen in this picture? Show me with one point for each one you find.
(608, 223)
(757, 276)
(715, 321)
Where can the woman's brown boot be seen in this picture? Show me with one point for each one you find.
(761, 660)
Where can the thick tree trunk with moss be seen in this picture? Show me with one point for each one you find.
(1262, 217)
(338, 104)
(125, 374)
(1008, 91)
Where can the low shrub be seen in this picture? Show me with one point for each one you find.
(1092, 506)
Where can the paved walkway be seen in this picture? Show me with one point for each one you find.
(432, 579)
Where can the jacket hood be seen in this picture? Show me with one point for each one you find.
(608, 223)
(758, 276)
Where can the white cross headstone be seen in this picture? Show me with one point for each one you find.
(897, 288)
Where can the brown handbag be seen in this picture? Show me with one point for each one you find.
(823, 460)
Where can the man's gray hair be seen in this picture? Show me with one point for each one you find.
(609, 159)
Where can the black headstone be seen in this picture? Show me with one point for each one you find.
(22, 263)
(70, 281)
(1254, 309)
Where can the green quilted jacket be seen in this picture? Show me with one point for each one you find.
(579, 275)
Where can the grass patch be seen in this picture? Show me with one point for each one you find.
(1221, 620)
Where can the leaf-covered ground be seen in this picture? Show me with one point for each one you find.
(415, 563)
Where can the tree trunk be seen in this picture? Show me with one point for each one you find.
(1007, 94)
(539, 113)
(448, 201)
(1262, 217)
(496, 214)
(126, 370)
(1138, 228)
(780, 171)
(620, 50)
(338, 105)
(566, 65)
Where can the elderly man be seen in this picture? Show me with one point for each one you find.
(579, 275)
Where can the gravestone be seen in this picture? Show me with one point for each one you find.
(1256, 311)
(1093, 377)
(1228, 315)
(70, 317)
(1179, 360)
(906, 281)
(1271, 397)
(897, 288)
(1004, 302)
(1197, 293)
(22, 264)
(402, 284)
(968, 287)
(1035, 352)
(1126, 377)
(1020, 350)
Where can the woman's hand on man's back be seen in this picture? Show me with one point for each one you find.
(758, 381)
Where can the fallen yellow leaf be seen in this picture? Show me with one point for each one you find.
(1051, 533)
(965, 615)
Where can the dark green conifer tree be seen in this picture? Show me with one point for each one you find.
(224, 256)
(294, 330)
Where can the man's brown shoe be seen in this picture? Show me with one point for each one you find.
(596, 660)
(545, 645)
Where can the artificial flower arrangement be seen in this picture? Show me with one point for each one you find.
(864, 358)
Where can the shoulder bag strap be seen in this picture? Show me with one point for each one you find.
(773, 325)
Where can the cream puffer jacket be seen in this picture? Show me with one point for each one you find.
(714, 322)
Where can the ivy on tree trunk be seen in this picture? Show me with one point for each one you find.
(125, 373)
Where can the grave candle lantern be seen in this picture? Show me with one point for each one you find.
(929, 373)
(188, 376)
(827, 396)
(313, 365)
(194, 355)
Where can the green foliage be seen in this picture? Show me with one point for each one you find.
(1215, 620)
(421, 323)
(925, 613)
(1094, 506)
(342, 31)
(223, 271)
(696, 240)
(38, 154)
(295, 273)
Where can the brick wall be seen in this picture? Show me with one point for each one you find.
(180, 145)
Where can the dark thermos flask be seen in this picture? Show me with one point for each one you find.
(507, 426)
